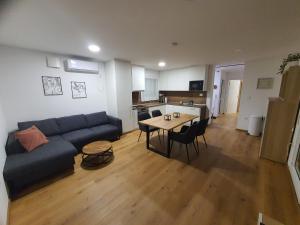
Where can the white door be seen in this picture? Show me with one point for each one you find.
(233, 96)
(223, 97)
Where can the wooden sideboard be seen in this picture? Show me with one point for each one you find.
(281, 117)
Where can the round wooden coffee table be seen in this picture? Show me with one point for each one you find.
(96, 153)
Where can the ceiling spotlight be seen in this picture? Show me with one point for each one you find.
(162, 64)
(94, 48)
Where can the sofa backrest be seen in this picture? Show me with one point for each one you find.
(49, 126)
(71, 123)
(96, 119)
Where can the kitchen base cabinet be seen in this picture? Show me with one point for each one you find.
(134, 115)
(162, 108)
(170, 109)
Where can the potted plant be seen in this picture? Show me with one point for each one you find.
(292, 58)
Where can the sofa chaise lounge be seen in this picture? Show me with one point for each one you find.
(66, 136)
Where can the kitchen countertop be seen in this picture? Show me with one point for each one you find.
(153, 104)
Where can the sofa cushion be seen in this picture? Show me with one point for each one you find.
(37, 162)
(95, 119)
(31, 138)
(71, 123)
(49, 127)
(106, 131)
(79, 137)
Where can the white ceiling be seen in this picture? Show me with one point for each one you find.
(208, 31)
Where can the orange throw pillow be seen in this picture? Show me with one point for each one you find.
(31, 138)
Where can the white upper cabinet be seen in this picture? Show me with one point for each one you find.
(138, 78)
(179, 79)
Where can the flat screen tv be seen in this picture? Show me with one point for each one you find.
(196, 85)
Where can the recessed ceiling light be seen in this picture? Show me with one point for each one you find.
(162, 64)
(94, 48)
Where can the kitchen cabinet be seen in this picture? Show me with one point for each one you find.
(183, 109)
(138, 78)
(281, 118)
(134, 119)
(178, 79)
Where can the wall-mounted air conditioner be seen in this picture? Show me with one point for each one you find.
(75, 65)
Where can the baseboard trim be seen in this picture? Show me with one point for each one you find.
(127, 132)
(241, 129)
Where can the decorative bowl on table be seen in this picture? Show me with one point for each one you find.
(167, 117)
(176, 114)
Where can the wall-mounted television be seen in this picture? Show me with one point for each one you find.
(196, 85)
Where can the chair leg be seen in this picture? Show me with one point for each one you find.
(140, 136)
(197, 144)
(187, 152)
(204, 141)
(158, 132)
(195, 147)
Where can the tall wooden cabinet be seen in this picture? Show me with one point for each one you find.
(281, 117)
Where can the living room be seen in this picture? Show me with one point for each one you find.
(86, 81)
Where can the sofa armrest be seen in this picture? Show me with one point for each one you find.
(13, 146)
(117, 122)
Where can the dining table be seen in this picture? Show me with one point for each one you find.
(168, 125)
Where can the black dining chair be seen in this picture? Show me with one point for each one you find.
(200, 132)
(143, 128)
(156, 113)
(186, 137)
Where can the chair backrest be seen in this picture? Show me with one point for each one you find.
(202, 124)
(143, 116)
(191, 132)
(156, 113)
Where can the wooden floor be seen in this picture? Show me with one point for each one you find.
(226, 184)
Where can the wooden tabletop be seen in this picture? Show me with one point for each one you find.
(161, 123)
(96, 147)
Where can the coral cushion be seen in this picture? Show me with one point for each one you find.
(31, 138)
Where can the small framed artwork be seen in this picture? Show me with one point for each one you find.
(52, 86)
(78, 89)
(265, 83)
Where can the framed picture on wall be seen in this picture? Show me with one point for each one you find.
(52, 86)
(265, 83)
(78, 89)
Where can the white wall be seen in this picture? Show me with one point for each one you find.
(152, 74)
(216, 94)
(3, 193)
(178, 79)
(255, 101)
(119, 88)
(110, 83)
(22, 90)
(124, 93)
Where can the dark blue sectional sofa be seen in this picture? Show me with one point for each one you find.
(66, 135)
